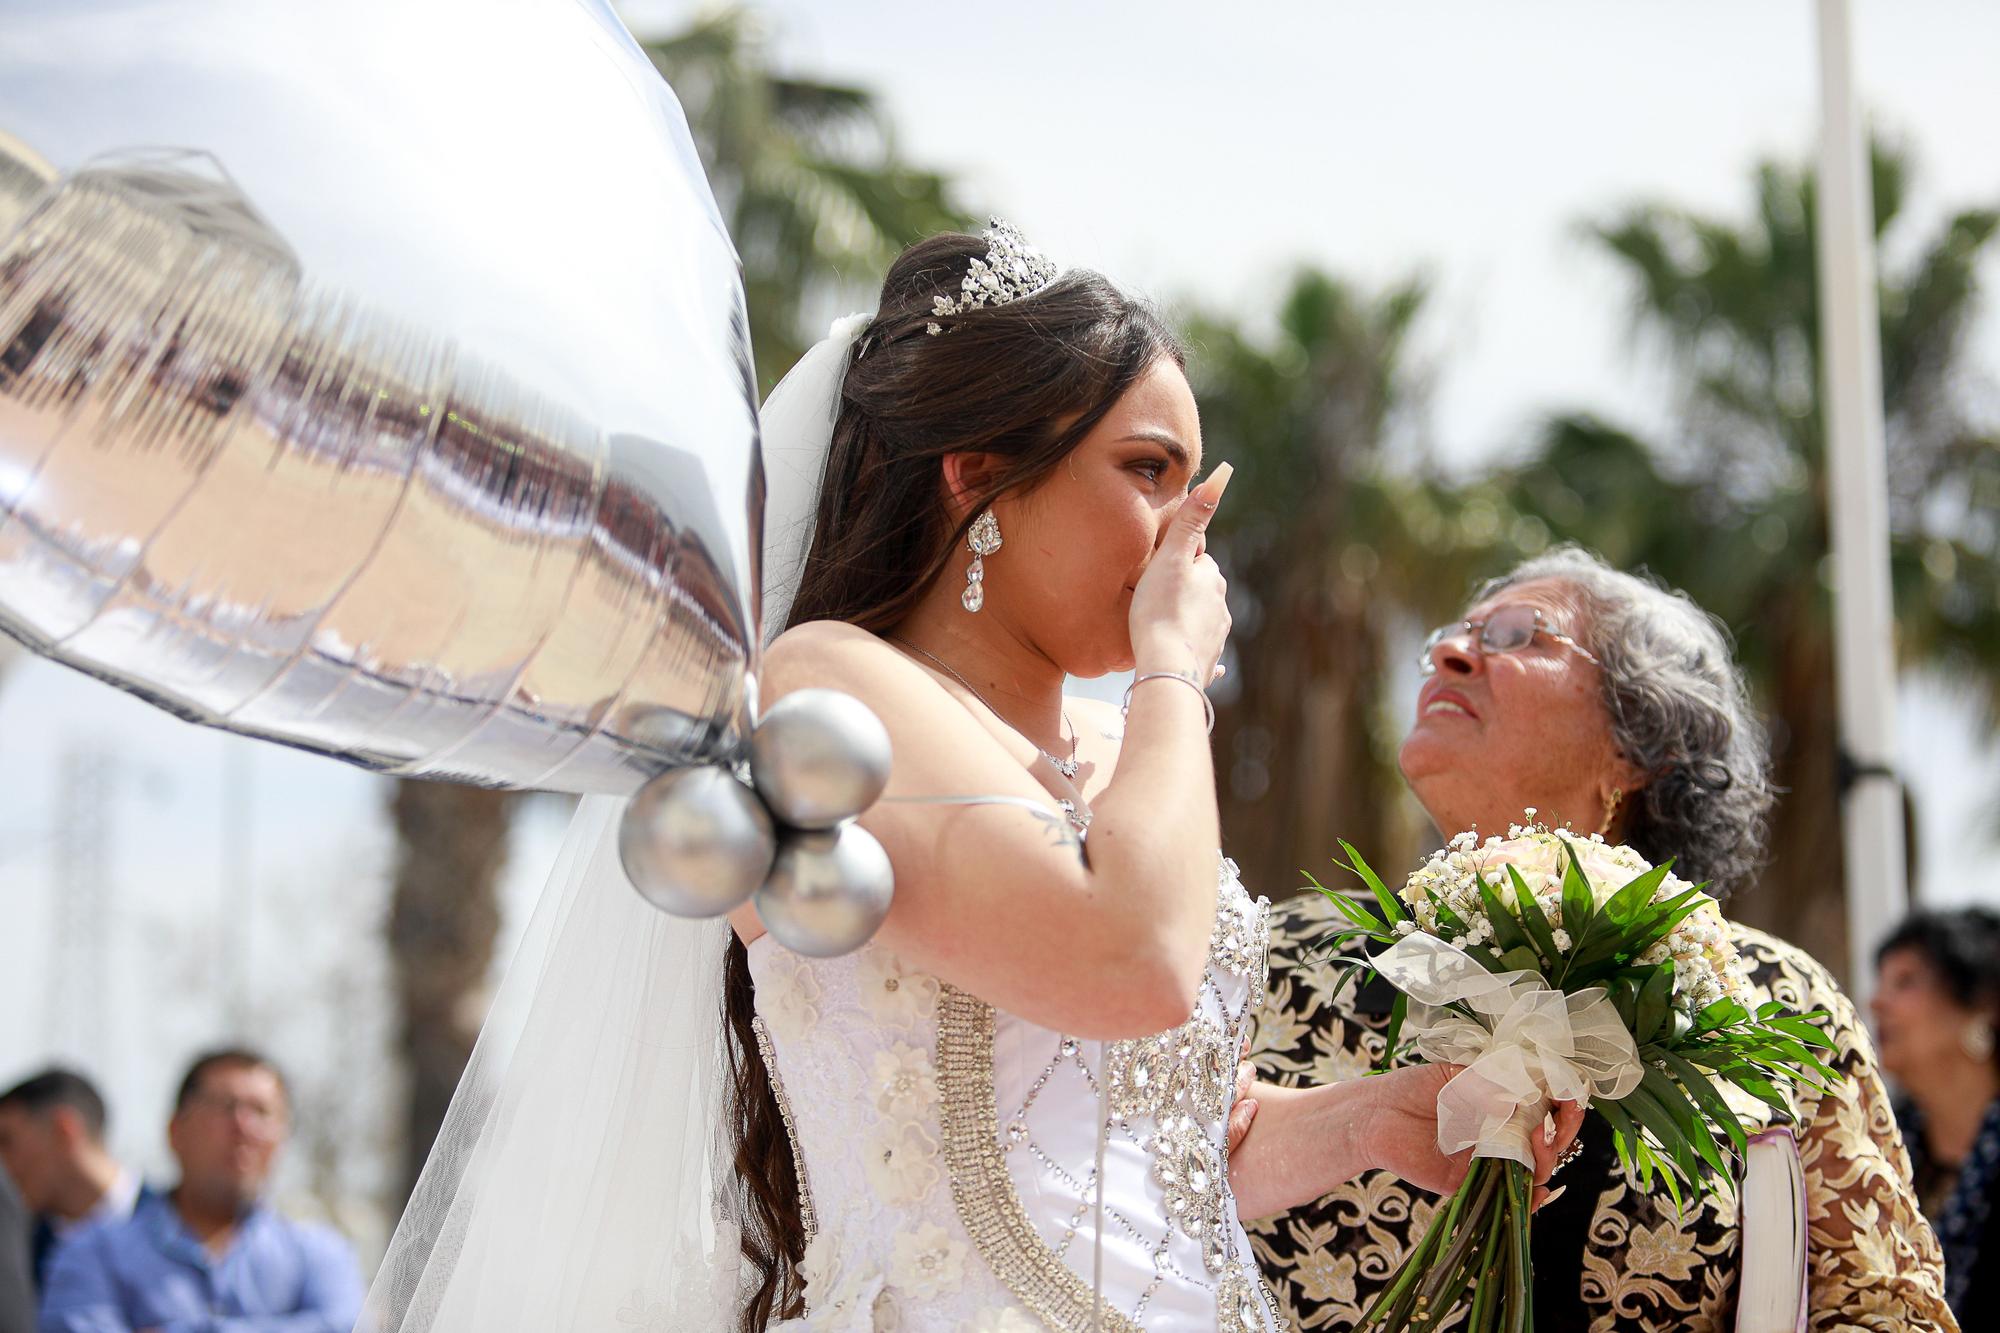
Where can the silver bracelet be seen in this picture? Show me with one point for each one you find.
(1208, 704)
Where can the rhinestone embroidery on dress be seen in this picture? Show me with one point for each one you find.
(980, 1185)
(1170, 1092)
(806, 1217)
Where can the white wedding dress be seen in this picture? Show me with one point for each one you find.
(947, 1151)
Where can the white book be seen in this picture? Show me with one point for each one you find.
(1771, 1219)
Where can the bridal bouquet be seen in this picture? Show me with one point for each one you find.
(1556, 967)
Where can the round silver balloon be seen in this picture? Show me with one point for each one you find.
(696, 842)
(819, 757)
(374, 377)
(828, 892)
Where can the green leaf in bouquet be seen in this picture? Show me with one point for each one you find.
(1797, 1055)
(1706, 1097)
(1624, 994)
(1799, 1027)
(1621, 1130)
(1694, 1130)
(1392, 909)
(1447, 918)
(1749, 1078)
(1393, 1036)
(1721, 1014)
(1521, 958)
(1347, 968)
(1671, 913)
(1533, 919)
(1769, 1007)
(1656, 998)
(1625, 905)
(1579, 908)
(1664, 1126)
(1507, 932)
(1671, 1179)
(1347, 906)
(1782, 1070)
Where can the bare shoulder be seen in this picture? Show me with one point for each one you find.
(831, 654)
(824, 653)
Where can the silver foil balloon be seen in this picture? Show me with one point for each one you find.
(819, 757)
(696, 842)
(828, 892)
(374, 378)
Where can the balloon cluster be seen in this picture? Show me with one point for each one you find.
(701, 841)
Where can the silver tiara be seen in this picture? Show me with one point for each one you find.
(1012, 269)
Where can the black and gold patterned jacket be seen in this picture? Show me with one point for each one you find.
(1607, 1257)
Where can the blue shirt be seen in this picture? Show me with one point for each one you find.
(149, 1272)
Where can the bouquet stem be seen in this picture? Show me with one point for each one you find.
(1476, 1246)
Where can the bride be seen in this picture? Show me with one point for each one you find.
(1006, 502)
(1010, 1110)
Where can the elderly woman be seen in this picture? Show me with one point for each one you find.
(1608, 705)
(1936, 1003)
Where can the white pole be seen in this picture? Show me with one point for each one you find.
(1857, 467)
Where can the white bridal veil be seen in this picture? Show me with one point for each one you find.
(582, 1178)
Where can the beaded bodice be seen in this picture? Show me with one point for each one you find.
(950, 1150)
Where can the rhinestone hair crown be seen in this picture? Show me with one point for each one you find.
(1012, 270)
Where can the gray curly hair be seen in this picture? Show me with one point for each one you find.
(1679, 711)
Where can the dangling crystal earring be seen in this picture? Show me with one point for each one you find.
(1977, 1040)
(982, 540)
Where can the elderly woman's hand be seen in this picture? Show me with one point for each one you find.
(1400, 1133)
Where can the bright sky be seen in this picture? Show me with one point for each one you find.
(1186, 149)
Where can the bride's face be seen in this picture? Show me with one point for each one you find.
(1077, 544)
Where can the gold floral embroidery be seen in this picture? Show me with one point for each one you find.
(1874, 1262)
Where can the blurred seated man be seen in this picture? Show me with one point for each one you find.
(52, 1144)
(210, 1256)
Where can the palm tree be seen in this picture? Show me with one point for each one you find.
(1316, 535)
(1733, 507)
(806, 173)
(451, 844)
(810, 185)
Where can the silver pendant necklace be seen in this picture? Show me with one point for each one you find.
(1067, 767)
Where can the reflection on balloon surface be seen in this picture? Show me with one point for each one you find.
(392, 406)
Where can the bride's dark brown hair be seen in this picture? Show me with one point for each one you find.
(1024, 382)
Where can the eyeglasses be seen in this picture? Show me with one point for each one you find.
(1508, 629)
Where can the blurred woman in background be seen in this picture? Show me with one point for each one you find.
(1936, 1004)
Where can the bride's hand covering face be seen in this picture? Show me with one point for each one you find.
(1066, 415)
(1108, 568)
